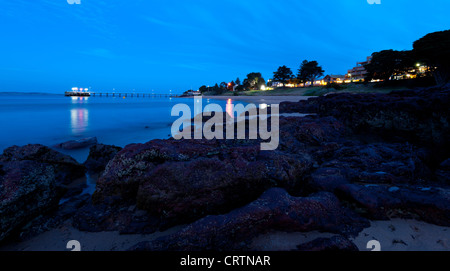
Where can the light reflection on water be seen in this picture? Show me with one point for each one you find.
(229, 108)
(79, 120)
(53, 119)
(79, 116)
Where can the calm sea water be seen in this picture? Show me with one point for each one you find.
(51, 119)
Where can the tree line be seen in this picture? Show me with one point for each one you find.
(309, 71)
(432, 51)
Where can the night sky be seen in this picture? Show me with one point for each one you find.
(51, 46)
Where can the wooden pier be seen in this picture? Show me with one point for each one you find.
(138, 95)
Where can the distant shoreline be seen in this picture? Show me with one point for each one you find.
(258, 99)
(29, 93)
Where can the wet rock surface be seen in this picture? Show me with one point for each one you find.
(379, 165)
(33, 179)
(274, 210)
(420, 116)
(99, 156)
(181, 181)
(77, 144)
(360, 157)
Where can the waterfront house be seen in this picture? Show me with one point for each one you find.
(357, 74)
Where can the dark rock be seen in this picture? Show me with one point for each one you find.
(335, 243)
(443, 172)
(74, 189)
(99, 156)
(417, 116)
(27, 189)
(274, 210)
(430, 204)
(298, 133)
(181, 181)
(77, 144)
(443, 176)
(126, 220)
(327, 179)
(32, 181)
(297, 107)
(445, 165)
(55, 219)
(390, 163)
(376, 200)
(66, 169)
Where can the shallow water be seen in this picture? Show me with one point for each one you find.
(50, 119)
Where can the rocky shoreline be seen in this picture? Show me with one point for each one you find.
(358, 158)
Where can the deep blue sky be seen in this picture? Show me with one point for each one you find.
(51, 46)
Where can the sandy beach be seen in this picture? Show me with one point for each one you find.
(260, 99)
(393, 235)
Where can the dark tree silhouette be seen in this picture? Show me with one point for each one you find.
(309, 71)
(254, 80)
(283, 75)
(434, 50)
(223, 85)
(386, 63)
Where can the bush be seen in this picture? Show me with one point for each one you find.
(336, 86)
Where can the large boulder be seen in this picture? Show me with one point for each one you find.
(327, 179)
(99, 156)
(419, 116)
(66, 168)
(299, 133)
(77, 144)
(27, 189)
(443, 172)
(32, 181)
(274, 210)
(52, 220)
(394, 163)
(181, 181)
(126, 220)
(430, 204)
